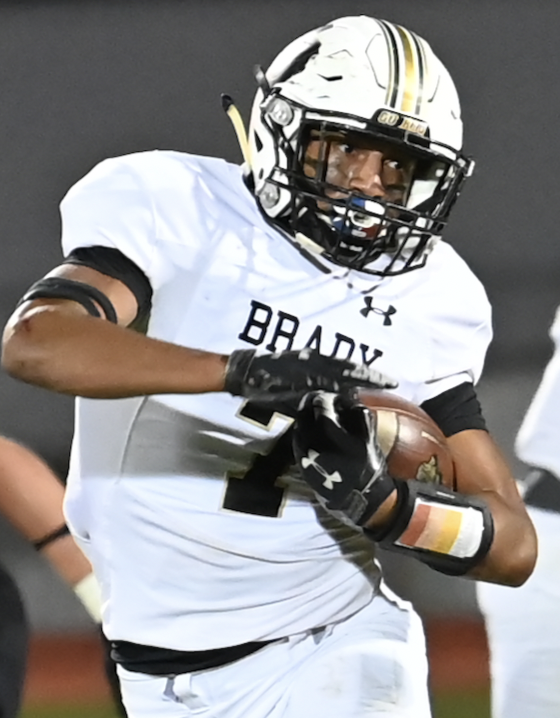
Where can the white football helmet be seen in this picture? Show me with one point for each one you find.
(371, 77)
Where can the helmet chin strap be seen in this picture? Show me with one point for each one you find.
(237, 121)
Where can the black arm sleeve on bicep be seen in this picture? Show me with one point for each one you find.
(456, 409)
(114, 263)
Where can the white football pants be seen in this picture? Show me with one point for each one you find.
(523, 627)
(371, 665)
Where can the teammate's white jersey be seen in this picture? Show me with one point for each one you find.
(537, 441)
(197, 544)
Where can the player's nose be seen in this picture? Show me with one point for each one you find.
(366, 172)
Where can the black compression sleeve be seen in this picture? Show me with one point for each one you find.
(114, 263)
(456, 409)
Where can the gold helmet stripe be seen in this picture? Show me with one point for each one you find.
(422, 69)
(411, 80)
(407, 68)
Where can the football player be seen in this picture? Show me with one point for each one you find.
(31, 499)
(522, 625)
(199, 304)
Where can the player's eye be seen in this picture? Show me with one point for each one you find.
(394, 164)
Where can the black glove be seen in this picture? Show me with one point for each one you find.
(336, 450)
(286, 374)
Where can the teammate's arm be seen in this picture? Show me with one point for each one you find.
(31, 499)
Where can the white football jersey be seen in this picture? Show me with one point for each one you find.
(200, 535)
(537, 441)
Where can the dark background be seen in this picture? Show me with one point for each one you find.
(81, 81)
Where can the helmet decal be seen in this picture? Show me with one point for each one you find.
(405, 88)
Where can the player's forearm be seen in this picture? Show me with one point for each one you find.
(482, 472)
(512, 556)
(79, 355)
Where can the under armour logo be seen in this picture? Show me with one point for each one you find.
(376, 310)
(330, 479)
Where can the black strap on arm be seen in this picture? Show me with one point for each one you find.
(51, 537)
(113, 263)
(63, 288)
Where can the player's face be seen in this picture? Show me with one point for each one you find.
(354, 162)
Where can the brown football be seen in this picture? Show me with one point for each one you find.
(413, 444)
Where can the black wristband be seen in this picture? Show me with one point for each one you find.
(400, 516)
(377, 494)
(52, 536)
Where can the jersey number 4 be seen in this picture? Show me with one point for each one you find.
(256, 492)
